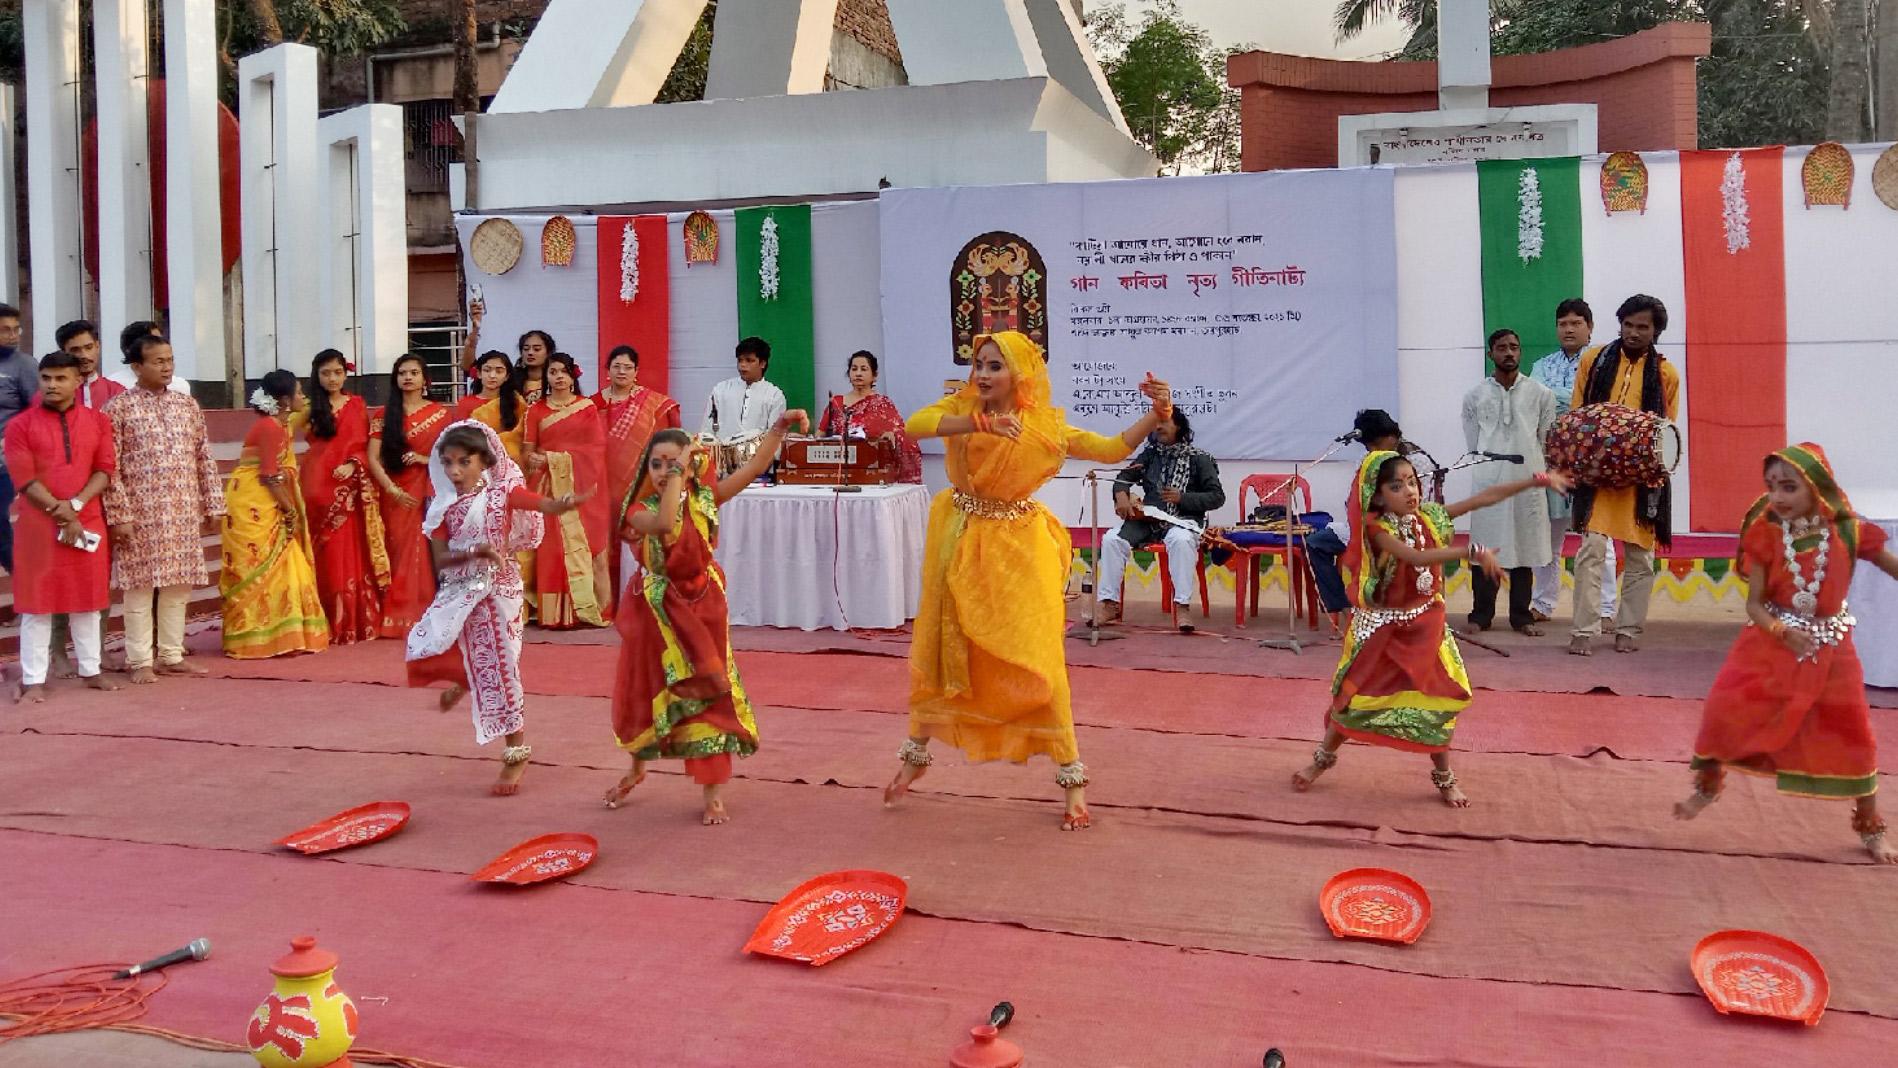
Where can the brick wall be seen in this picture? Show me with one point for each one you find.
(869, 22)
(1644, 87)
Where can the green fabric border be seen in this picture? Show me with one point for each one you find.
(787, 322)
(1522, 296)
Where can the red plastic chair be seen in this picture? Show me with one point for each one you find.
(1284, 490)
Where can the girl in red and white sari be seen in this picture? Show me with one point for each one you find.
(481, 514)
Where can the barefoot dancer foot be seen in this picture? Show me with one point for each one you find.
(1445, 781)
(1707, 782)
(1323, 759)
(916, 760)
(1072, 778)
(513, 766)
(626, 785)
(715, 813)
(100, 682)
(1871, 831)
(452, 696)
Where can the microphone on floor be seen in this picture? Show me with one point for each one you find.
(199, 949)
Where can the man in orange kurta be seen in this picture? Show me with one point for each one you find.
(1617, 514)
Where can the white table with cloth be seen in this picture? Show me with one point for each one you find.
(1874, 601)
(812, 558)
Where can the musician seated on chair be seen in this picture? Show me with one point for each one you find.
(745, 406)
(1178, 480)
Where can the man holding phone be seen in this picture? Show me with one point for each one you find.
(60, 455)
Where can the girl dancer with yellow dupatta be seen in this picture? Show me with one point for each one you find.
(1401, 682)
(1790, 700)
(496, 403)
(988, 673)
(271, 602)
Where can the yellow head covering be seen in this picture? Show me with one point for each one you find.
(1028, 369)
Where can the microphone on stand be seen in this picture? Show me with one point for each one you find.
(1506, 457)
(1348, 437)
(199, 949)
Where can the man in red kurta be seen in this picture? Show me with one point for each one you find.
(61, 458)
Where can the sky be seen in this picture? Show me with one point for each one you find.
(1300, 27)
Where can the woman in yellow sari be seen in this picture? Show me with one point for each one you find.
(988, 673)
(271, 602)
(496, 403)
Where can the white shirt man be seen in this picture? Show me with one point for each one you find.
(1509, 414)
(747, 405)
(126, 376)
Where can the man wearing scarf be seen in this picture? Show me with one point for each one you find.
(1632, 373)
(1182, 481)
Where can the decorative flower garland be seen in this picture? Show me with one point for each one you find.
(1529, 217)
(628, 264)
(1734, 214)
(264, 402)
(768, 258)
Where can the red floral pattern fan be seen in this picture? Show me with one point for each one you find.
(830, 916)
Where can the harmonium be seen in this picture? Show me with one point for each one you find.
(837, 462)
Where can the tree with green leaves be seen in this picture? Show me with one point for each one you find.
(1170, 81)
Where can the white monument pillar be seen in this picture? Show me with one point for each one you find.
(51, 29)
(364, 266)
(194, 253)
(9, 239)
(586, 54)
(770, 48)
(122, 68)
(281, 218)
(969, 40)
(1462, 54)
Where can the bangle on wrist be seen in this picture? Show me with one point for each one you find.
(1540, 478)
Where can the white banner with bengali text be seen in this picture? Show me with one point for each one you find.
(1268, 301)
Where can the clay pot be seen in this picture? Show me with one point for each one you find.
(306, 1022)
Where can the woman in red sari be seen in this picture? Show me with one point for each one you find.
(865, 411)
(352, 561)
(633, 415)
(564, 442)
(1790, 700)
(400, 439)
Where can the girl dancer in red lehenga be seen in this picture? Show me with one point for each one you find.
(400, 437)
(677, 694)
(1790, 700)
(480, 516)
(352, 561)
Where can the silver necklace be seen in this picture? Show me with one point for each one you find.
(1411, 531)
(1806, 597)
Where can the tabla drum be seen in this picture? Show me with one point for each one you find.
(1613, 446)
(729, 456)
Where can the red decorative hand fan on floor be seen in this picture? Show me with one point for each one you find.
(1375, 904)
(1760, 974)
(353, 827)
(829, 916)
(551, 856)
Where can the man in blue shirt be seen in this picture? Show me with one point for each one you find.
(19, 381)
(1574, 326)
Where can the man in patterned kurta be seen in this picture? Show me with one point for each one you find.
(164, 499)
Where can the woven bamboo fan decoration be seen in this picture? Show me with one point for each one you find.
(557, 241)
(496, 246)
(1624, 183)
(1827, 175)
(701, 239)
(1885, 178)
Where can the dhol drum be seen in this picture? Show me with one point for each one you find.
(1613, 446)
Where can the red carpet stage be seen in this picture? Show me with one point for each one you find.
(1182, 930)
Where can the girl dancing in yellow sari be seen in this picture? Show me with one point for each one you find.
(271, 602)
(987, 670)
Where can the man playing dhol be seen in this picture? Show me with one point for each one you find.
(746, 406)
(1508, 414)
(1630, 372)
(1574, 326)
(1179, 479)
